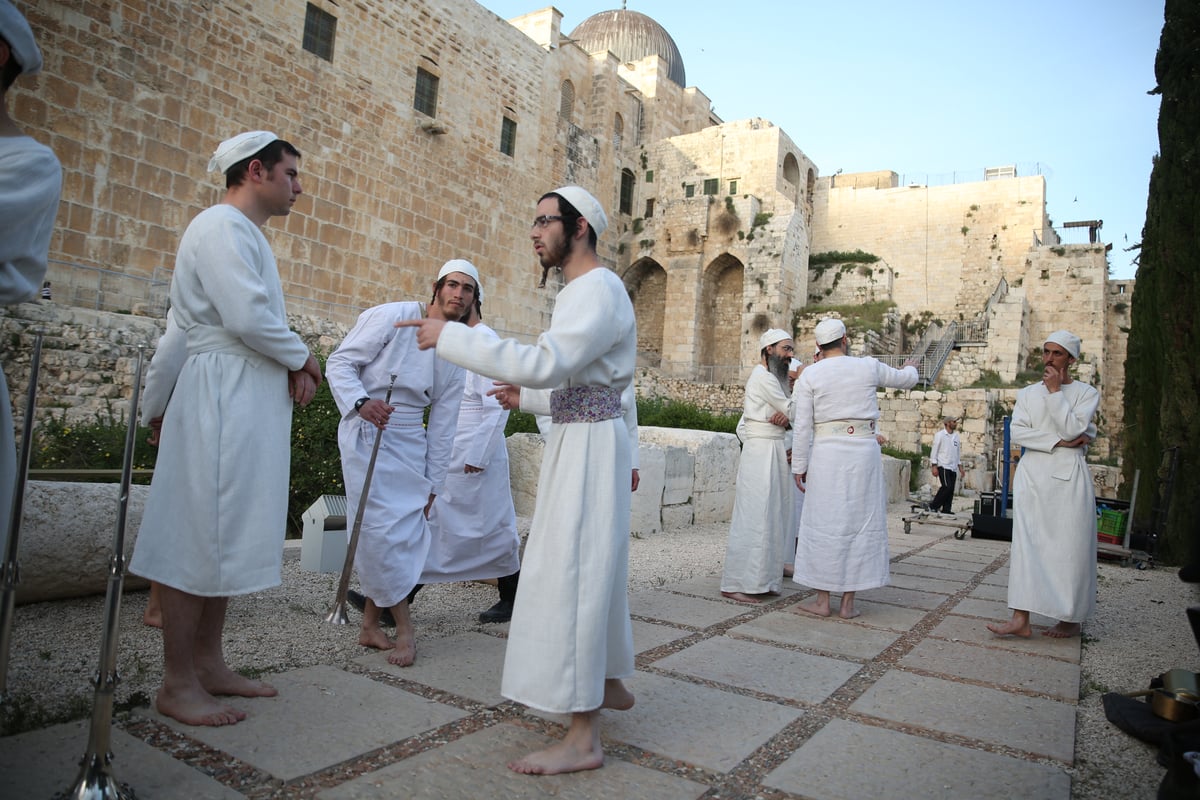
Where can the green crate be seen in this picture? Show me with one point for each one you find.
(1111, 522)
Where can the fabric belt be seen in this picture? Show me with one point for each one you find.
(584, 404)
(404, 417)
(211, 339)
(857, 428)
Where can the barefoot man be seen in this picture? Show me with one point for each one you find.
(1053, 564)
(570, 643)
(217, 513)
(842, 544)
(410, 469)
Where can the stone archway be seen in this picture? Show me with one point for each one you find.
(719, 327)
(646, 282)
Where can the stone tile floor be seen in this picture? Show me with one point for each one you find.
(912, 699)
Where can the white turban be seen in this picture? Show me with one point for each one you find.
(466, 268)
(240, 147)
(586, 205)
(829, 330)
(1067, 341)
(772, 336)
(16, 31)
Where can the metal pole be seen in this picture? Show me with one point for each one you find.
(10, 573)
(338, 615)
(95, 779)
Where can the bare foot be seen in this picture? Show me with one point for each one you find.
(848, 613)
(196, 707)
(1063, 630)
(616, 696)
(152, 617)
(373, 636)
(404, 652)
(559, 758)
(741, 597)
(1011, 628)
(816, 609)
(788, 570)
(224, 681)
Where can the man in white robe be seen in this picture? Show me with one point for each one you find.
(570, 643)
(842, 545)
(473, 522)
(763, 503)
(410, 468)
(1052, 568)
(216, 516)
(30, 184)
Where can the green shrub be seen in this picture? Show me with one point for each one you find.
(842, 257)
(99, 444)
(520, 422)
(914, 474)
(316, 460)
(660, 413)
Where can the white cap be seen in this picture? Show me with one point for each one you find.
(586, 205)
(772, 336)
(829, 330)
(240, 147)
(1067, 341)
(466, 268)
(16, 31)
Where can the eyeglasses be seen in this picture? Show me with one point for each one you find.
(544, 221)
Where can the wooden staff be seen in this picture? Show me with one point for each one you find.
(338, 615)
(95, 779)
(10, 574)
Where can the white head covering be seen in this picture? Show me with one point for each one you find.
(16, 31)
(466, 268)
(771, 337)
(1067, 341)
(586, 205)
(242, 146)
(829, 330)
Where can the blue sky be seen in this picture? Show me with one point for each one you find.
(931, 88)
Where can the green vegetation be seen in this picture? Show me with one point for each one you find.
(660, 413)
(914, 474)
(99, 444)
(989, 379)
(858, 318)
(840, 257)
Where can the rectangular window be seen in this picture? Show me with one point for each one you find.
(649, 176)
(626, 200)
(712, 185)
(689, 190)
(733, 187)
(508, 136)
(649, 207)
(425, 99)
(319, 30)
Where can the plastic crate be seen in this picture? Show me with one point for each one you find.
(1110, 538)
(1111, 523)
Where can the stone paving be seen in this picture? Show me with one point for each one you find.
(914, 698)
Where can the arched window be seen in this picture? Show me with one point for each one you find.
(567, 106)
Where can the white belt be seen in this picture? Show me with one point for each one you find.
(862, 428)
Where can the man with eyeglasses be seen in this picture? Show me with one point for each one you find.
(413, 457)
(762, 508)
(570, 642)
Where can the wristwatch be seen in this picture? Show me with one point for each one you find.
(359, 403)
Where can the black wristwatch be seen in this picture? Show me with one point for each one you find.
(359, 403)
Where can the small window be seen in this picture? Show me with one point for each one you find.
(425, 99)
(649, 207)
(319, 30)
(733, 187)
(712, 185)
(649, 176)
(508, 136)
(618, 131)
(626, 203)
(689, 190)
(566, 106)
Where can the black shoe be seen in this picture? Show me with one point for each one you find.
(360, 602)
(501, 612)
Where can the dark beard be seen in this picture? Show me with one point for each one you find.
(778, 366)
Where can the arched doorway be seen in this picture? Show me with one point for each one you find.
(646, 282)
(719, 328)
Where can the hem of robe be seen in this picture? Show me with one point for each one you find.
(479, 574)
(175, 584)
(572, 710)
(801, 580)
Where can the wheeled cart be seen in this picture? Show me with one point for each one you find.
(924, 516)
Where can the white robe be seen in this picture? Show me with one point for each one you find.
(1053, 563)
(473, 522)
(217, 513)
(412, 460)
(570, 628)
(30, 184)
(762, 507)
(843, 544)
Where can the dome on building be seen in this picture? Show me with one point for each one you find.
(630, 36)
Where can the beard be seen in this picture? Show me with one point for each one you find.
(778, 366)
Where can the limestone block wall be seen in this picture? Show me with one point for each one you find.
(851, 283)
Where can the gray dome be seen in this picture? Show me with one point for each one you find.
(630, 36)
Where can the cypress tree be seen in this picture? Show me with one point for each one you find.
(1162, 388)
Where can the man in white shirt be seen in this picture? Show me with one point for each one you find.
(943, 459)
